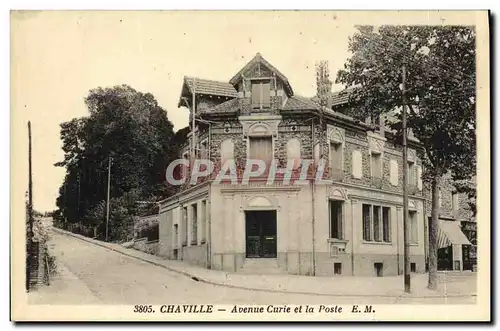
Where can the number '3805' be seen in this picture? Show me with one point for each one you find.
(143, 309)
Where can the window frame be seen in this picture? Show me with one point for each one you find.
(380, 165)
(262, 104)
(340, 151)
(340, 221)
(371, 226)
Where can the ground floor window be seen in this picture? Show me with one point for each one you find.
(194, 224)
(336, 228)
(376, 223)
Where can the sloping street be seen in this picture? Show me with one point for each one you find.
(91, 274)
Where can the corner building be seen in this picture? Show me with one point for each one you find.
(348, 223)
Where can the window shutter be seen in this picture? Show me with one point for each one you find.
(357, 164)
(419, 177)
(266, 94)
(393, 172)
(256, 94)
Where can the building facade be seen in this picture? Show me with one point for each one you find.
(348, 221)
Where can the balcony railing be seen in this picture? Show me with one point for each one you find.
(377, 181)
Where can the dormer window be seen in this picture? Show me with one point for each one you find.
(261, 94)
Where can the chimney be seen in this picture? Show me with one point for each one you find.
(323, 84)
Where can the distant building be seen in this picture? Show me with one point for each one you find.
(348, 223)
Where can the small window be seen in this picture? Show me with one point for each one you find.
(376, 165)
(337, 268)
(413, 267)
(379, 269)
(412, 176)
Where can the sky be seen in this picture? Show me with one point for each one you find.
(58, 56)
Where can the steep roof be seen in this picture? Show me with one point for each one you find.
(336, 98)
(225, 107)
(259, 59)
(207, 87)
(300, 103)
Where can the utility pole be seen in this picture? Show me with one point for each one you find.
(193, 107)
(30, 182)
(406, 225)
(107, 200)
(29, 239)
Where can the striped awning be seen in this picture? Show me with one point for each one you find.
(449, 233)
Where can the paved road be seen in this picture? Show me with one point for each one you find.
(112, 278)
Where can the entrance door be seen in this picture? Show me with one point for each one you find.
(261, 234)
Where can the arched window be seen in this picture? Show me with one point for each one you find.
(226, 151)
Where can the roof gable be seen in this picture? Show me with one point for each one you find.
(258, 59)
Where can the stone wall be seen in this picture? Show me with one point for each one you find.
(150, 247)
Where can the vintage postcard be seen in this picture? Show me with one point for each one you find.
(250, 166)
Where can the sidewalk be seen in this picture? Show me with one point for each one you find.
(65, 288)
(449, 285)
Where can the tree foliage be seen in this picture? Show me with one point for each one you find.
(440, 92)
(130, 127)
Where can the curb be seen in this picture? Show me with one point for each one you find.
(196, 278)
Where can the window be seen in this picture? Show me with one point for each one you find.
(376, 165)
(226, 151)
(176, 235)
(411, 174)
(261, 148)
(454, 202)
(386, 224)
(337, 268)
(379, 269)
(376, 223)
(204, 149)
(203, 215)
(194, 224)
(184, 226)
(413, 267)
(185, 168)
(261, 94)
(316, 153)
(336, 160)
(413, 227)
(367, 210)
(336, 219)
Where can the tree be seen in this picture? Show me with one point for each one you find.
(128, 126)
(440, 96)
